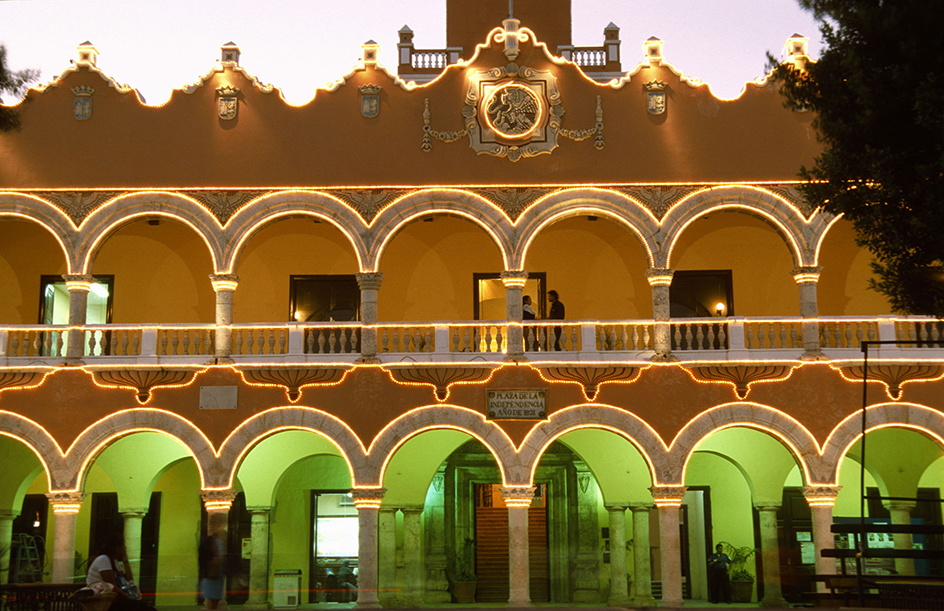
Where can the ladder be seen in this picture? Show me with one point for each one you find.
(28, 566)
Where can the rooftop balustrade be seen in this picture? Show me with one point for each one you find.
(692, 339)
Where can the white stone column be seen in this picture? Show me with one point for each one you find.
(387, 557)
(434, 513)
(259, 559)
(770, 555)
(78, 286)
(660, 280)
(901, 514)
(367, 501)
(642, 568)
(518, 500)
(132, 532)
(224, 285)
(217, 504)
(369, 283)
(668, 500)
(65, 506)
(619, 592)
(6, 541)
(807, 279)
(514, 289)
(412, 556)
(821, 500)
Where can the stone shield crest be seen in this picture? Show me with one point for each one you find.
(655, 97)
(370, 100)
(82, 103)
(227, 103)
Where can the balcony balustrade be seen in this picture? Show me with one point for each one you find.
(709, 339)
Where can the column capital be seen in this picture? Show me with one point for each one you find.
(224, 282)
(637, 507)
(218, 499)
(667, 496)
(412, 508)
(368, 498)
(133, 512)
(514, 278)
(78, 282)
(821, 496)
(767, 506)
(659, 276)
(369, 281)
(260, 510)
(66, 501)
(517, 496)
(617, 506)
(9, 514)
(899, 505)
(806, 273)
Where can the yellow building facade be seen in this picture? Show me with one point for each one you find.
(309, 320)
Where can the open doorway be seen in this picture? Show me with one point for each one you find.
(488, 294)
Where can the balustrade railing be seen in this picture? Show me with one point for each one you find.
(738, 338)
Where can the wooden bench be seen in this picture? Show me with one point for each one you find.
(40, 596)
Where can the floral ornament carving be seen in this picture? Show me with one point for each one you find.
(658, 200)
(142, 380)
(741, 376)
(793, 195)
(368, 202)
(514, 112)
(224, 204)
(591, 378)
(439, 377)
(514, 200)
(295, 378)
(895, 376)
(77, 204)
(20, 379)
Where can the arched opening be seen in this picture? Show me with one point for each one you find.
(27, 252)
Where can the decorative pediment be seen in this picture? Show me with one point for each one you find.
(440, 377)
(293, 379)
(591, 378)
(895, 375)
(740, 376)
(142, 380)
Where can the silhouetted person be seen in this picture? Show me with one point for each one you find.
(719, 583)
(557, 313)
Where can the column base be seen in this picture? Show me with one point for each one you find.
(645, 601)
(663, 357)
(619, 601)
(221, 360)
(813, 355)
(671, 603)
(776, 602)
(368, 359)
(517, 357)
(368, 605)
(73, 361)
(519, 605)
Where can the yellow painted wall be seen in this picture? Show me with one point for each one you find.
(177, 579)
(161, 274)
(843, 285)
(27, 251)
(754, 251)
(294, 246)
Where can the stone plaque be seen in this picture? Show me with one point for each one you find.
(530, 404)
(217, 397)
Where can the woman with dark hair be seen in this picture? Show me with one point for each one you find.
(110, 565)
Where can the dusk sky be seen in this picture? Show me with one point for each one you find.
(300, 46)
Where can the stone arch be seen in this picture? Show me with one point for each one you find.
(433, 417)
(797, 232)
(36, 438)
(794, 436)
(445, 201)
(913, 416)
(250, 219)
(606, 417)
(74, 467)
(121, 210)
(617, 207)
(47, 216)
(276, 419)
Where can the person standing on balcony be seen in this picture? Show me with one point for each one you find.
(527, 313)
(557, 313)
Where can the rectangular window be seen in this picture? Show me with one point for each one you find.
(324, 298)
(700, 294)
(488, 295)
(54, 301)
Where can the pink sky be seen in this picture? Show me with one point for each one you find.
(300, 46)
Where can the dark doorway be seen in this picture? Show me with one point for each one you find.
(334, 298)
(106, 520)
(28, 540)
(797, 553)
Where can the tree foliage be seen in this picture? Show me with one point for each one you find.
(13, 83)
(878, 97)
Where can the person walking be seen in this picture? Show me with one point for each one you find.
(212, 573)
(556, 313)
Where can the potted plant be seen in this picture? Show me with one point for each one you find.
(465, 579)
(742, 580)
